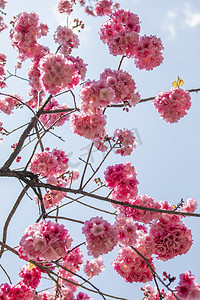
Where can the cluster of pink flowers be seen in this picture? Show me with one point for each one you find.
(26, 30)
(172, 105)
(120, 33)
(57, 73)
(148, 53)
(3, 3)
(126, 141)
(94, 94)
(30, 275)
(171, 237)
(103, 8)
(145, 243)
(94, 267)
(90, 125)
(79, 65)
(8, 103)
(83, 296)
(17, 292)
(55, 119)
(2, 69)
(151, 293)
(73, 260)
(67, 39)
(65, 6)
(49, 163)
(44, 241)
(101, 236)
(121, 82)
(67, 279)
(122, 178)
(187, 289)
(127, 231)
(132, 267)
(144, 216)
(190, 206)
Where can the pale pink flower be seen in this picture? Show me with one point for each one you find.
(172, 105)
(126, 141)
(103, 8)
(126, 230)
(190, 206)
(8, 103)
(67, 39)
(132, 267)
(187, 289)
(73, 260)
(94, 267)
(65, 6)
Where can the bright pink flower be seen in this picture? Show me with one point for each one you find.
(173, 105)
(132, 267)
(30, 276)
(8, 103)
(57, 73)
(67, 39)
(187, 289)
(171, 237)
(89, 125)
(148, 53)
(122, 178)
(79, 65)
(121, 82)
(121, 33)
(190, 206)
(101, 236)
(138, 214)
(20, 292)
(4, 291)
(83, 296)
(103, 8)
(65, 6)
(44, 241)
(26, 30)
(94, 267)
(126, 141)
(126, 229)
(73, 260)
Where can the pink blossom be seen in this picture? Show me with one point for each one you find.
(2, 69)
(57, 73)
(94, 267)
(83, 296)
(172, 105)
(94, 94)
(8, 103)
(67, 39)
(190, 206)
(126, 229)
(187, 289)
(73, 260)
(132, 267)
(26, 30)
(138, 214)
(65, 6)
(126, 141)
(121, 33)
(101, 236)
(122, 178)
(79, 65)
(70, 283)
(44, 241)
(103, 8)
(3, 3)
(151, 293)
(58, 118)
(30, 275)
(4, 291)
(148, 53)
(171, 237)
(90, 125)
(2, 24)
(121, 82)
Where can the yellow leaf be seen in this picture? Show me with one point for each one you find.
(31, 266)
(174, 83)
(178, 82)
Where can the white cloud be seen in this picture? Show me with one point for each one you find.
(192, 19)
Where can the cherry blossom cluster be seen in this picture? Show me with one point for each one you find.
(122, 83)
(73, 260)
(30, 275)
(24, 34)
(172, 105)
(132, 267)
(49, 163)
(126, 141)
(171, 237)
(94, 267)
(67, 39)
(127, 231)
(8, 103)
(122, 179)
(121, 34)
(44, 241)
(187, 289)
(101, 236)
(103, 8)
(65, 6)
(2, 69)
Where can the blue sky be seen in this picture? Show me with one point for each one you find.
(167, 157)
